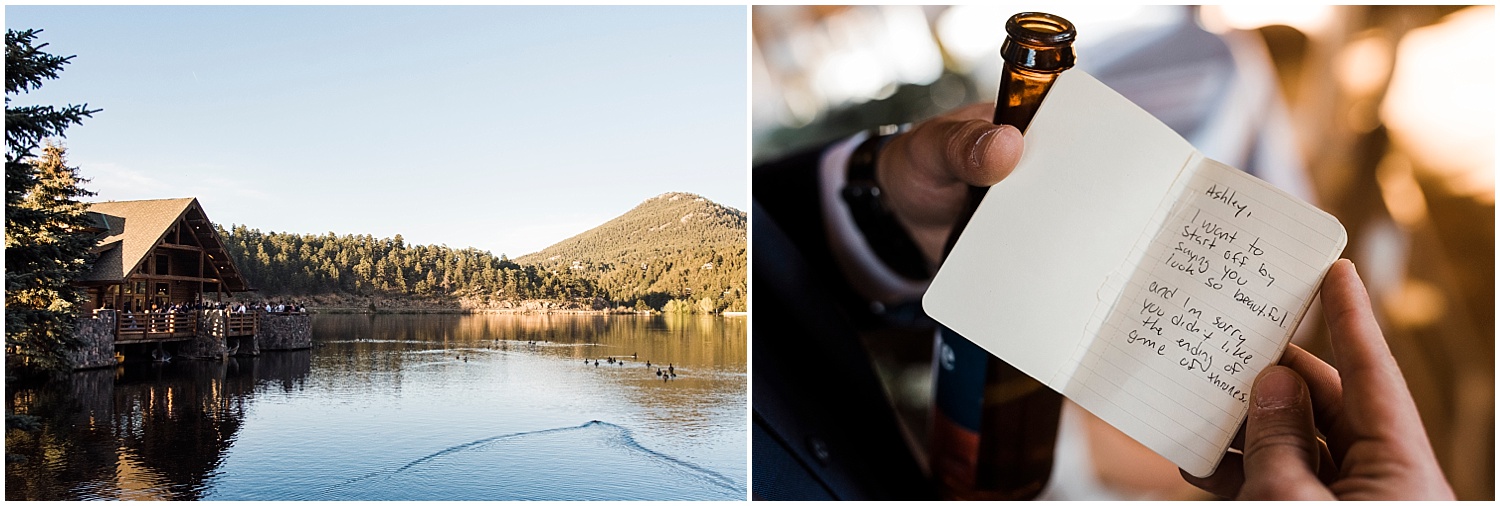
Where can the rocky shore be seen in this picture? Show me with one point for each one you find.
(343, 304)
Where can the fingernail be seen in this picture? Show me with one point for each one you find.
(1277, 388)
(1003, 134)
(980, 153)
(992, 154)
(1010, 131)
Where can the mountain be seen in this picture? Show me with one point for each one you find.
(674, 245)
(669, 253)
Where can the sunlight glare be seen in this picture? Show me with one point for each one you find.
(1309, 19)
(1440, 107)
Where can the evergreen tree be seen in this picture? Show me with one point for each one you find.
(701, 261)
(46, 247)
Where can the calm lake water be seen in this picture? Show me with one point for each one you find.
(407, 407)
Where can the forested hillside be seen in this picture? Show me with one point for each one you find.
(674, 245)
(670, 253)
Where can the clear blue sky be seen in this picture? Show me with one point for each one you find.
(504, 128)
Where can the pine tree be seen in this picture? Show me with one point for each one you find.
(46, 247)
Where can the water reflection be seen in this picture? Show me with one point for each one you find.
(407, 407)
(142, 431)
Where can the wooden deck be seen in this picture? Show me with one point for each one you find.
(132, 328)
(155, 327)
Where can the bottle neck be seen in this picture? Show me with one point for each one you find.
(1038, 59)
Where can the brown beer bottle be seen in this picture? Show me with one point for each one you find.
(993, 427)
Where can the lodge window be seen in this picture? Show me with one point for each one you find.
(184, 265)
(162, 263)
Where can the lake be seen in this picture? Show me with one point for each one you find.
(407, 407)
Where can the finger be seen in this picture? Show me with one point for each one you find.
(1281, 447)
(1375, 394)
(1328, 469)
(1226, 480)
(951, 152)
(1378, 408)
(1327, 393)
(979, 153)
(926, 173)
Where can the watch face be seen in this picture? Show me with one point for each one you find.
(862, 193)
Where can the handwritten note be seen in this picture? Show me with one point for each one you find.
(1144, 281)
(1216, 295)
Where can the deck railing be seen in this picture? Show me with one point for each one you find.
(133, 326)
(233, 324)
(243, 324)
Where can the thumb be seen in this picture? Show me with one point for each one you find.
(1281, 445)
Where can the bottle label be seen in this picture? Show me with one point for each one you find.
(959, 399)
(960, 379)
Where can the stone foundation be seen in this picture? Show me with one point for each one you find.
(284, 331)
(206, 344)
(97, 341)
(203, 346)
(216, 323)
(244, 346)
(278, 331)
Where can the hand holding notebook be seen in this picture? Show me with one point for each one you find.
(1144, 281)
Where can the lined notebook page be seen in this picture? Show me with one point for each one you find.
(1217, 294)
(1023, 280)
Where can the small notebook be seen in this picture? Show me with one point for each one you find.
(1125, 270)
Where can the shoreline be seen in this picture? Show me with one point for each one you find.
(334, 304)
(459, 310)
(420, 310)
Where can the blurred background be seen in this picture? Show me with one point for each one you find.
(1384, 116)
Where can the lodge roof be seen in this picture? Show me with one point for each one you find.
(134, 227)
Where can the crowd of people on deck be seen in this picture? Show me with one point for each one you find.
(233, 307)
(283, 307)
(130, 321)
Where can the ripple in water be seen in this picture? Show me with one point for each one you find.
(596, 461)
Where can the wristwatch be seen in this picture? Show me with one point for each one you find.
(863, 196)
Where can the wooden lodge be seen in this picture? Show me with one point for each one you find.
(153, 254)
